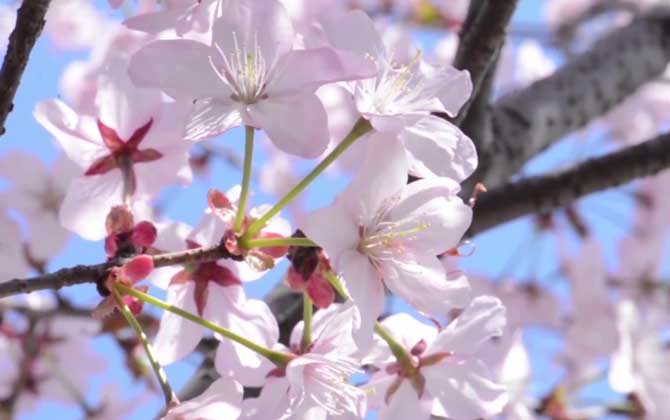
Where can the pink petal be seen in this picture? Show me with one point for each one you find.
(366, 291)
(332, 228)
(465, 389)
(355, 32)
(121, 105)
(296, 124)
(264, 25)
(180, 67)
(422, 282)
(404, 403)
(481, 320)
(223, 399)
(438, 148)
(177, 336)
(378, 179)
(78, 136)
(302, 71)
(211, 117)
(87, 202)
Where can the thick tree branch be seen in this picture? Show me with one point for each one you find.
(482, 38)
(527, 122)
(552, 191)
(29, 24)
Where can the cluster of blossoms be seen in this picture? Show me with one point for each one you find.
(321, 80)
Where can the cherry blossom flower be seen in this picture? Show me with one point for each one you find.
(128, 151)
(400, 94)
(7, 18)
(400, 100)
(37, 192)
(447, 378)
(315, 384)
(381, 231)
(221, 400)
(248, 76)
(212, 290)
(640, 365)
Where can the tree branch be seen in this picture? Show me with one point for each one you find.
(552, 191)
(91, 273)
(527, 122)
(482, 38)
(29, 24)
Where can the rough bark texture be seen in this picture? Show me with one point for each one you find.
(552, 191)
(527, 122)
(481, 40)
(29, 24)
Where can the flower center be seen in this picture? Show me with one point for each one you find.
(397, 86)
(244, 71)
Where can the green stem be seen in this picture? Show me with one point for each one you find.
(270, 242)
(278, 358)
(397, 349)
(246, 177)
(361, 127)
(170, 397)
(337, 285)
(307, 312)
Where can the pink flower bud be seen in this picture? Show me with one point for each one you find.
(320, 291)
(138, 268)
(135, 305)
(144, 234)
(111, 246)
(119, 220)
(295, 281)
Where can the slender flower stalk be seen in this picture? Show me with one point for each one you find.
(361, 127)
(272, 242)
(307, 312)
(246, 176)
(278, 358)
(337, 284)
(170, 397)
(396, 348)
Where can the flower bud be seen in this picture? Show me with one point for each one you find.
(119, 220)
(138, 268)
(144, 234)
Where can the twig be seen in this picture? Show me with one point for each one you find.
(551, 191)
(29, 24)
(91, 273)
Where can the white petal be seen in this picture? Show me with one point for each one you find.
(222, 400)
(481, 320)
(422, 282)
(177, 336)
(438, 148)
(465, 389)
(366, 291)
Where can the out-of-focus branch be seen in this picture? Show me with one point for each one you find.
(482, 38)
(29, 24)
(556, 190)
(527, 122)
